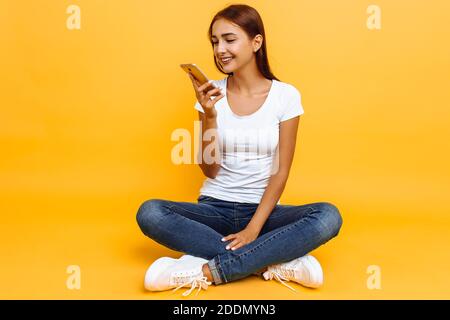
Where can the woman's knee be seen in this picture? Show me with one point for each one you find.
(331, 217)
(149, 214)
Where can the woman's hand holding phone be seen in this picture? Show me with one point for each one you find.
(204, 93)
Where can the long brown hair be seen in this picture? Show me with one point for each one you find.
(250, 21)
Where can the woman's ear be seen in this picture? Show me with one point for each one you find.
(257, 42)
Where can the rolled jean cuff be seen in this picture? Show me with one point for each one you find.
(214, 267)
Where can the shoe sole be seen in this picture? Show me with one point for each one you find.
(152, 272)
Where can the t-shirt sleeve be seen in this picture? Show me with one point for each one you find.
(292, 104)
(199, 107)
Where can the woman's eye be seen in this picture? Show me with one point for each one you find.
(227, 41)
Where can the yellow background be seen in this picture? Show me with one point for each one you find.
(86, 119)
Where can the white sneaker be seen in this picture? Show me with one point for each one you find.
(305, 271)
(187, 256)
(167, 273)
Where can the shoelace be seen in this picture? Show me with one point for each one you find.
(283, 273)
(200, 281)
(280, 278)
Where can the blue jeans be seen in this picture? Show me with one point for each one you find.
(196, 229)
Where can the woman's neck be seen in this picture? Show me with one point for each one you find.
(248, 85)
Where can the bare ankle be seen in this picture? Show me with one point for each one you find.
(207, 272)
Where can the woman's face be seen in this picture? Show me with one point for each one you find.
(229, 40)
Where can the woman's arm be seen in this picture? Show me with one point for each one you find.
(277, 182)
(209, 169)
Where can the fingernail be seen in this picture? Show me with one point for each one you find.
(223, 239)
(233, 249)
(228, 247)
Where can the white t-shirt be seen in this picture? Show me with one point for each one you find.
(248, 144)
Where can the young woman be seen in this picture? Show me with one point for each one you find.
(238, 226)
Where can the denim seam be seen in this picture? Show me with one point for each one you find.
(283, 214)
(214, 272)
(244, 218)
(271, 238)
(219, 270)
(171, 206)
(277, 217)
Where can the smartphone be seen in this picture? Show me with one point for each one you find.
(195, 71)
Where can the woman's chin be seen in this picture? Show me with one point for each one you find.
(227, 68)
